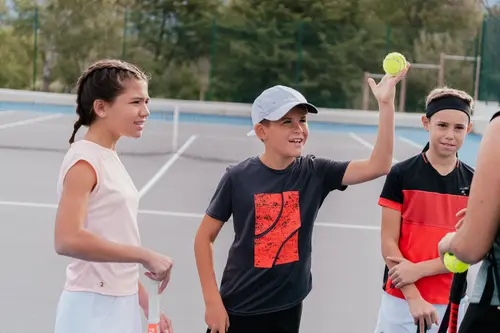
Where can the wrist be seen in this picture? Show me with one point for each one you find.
(411, 293)
(142, 256)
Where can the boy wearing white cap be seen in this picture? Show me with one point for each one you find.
(274, 199)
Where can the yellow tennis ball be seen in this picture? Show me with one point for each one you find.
(454, 265)
(394, 63)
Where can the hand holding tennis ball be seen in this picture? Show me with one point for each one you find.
(385, 90)
(453, 264)
(394, 63)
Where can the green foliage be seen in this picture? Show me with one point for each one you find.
(205, 49)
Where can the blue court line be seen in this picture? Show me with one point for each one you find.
(468, 152)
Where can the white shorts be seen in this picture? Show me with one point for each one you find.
(87, 312)
(395, 317)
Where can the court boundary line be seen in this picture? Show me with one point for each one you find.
(157, 176)
(410, 142)
(367, 144)
(187, 215)
(30, 121)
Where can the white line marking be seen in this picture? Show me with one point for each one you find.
(188, 215)
(170, 213)
(410, 142)
(366, 143)
(227, 138)
(30, 121)
(166, 166)
(347, 226)
(27, 204)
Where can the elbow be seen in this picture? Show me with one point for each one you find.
(382, 167)
(64, 246)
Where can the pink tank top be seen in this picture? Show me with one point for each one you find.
(112, 214)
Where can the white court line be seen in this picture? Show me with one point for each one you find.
(410, 142)
(30, 121)
(166, 166)
(366, 143)
(190, 215)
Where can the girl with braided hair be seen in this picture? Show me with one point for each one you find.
(96, 222)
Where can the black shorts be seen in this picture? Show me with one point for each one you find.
(285, 321)
(481, 319)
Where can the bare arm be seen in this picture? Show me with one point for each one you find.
(390, 231)
(71, 239)
(481, 223)
(203, 248)
(432, 267)
(380, 160)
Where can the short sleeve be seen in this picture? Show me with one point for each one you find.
(220, 207)
(70, 160)
(392, 192)
(331, 172)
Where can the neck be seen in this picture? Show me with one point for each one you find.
(275, 161)
(101, 137)
(443, 164)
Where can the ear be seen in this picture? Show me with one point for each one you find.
(100, 108)
(469, 127)
(425, 122)
(260, 131)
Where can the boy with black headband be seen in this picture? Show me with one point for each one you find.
(420, 199)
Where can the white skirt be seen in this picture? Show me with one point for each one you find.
(87, 312)
(395, 317)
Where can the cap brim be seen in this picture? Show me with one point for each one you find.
(279, 113)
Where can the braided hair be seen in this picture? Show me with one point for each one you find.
(103, 80)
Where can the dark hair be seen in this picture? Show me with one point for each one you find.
(103, 80)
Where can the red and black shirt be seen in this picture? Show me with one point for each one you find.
(428, 202)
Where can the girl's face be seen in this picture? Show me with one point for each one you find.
(447, 130)
(127, 115)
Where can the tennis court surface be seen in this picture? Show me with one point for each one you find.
(176, 188)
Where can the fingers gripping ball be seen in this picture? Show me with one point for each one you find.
(454, 265)
(394, 63)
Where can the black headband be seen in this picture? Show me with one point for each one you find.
(448, 103)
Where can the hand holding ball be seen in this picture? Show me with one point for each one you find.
(394, 63)
(453, 264)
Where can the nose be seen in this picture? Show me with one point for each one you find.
(144, 111)
(450, 133)
(298, 127)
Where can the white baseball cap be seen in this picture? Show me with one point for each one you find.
(273, 103)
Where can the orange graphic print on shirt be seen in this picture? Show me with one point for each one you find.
(277, 220)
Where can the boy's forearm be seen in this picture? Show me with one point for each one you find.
(382, 153)
(432, 267)
(205, 266)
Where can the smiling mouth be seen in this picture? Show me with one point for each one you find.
(448, 145)
(139, 123)
(296, 141)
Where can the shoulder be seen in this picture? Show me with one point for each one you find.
(407, 166)
(242, 167)
(84, 150)
(466, 168)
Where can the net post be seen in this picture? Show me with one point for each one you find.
(175, 129)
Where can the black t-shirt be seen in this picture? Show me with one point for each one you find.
(269, 263)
